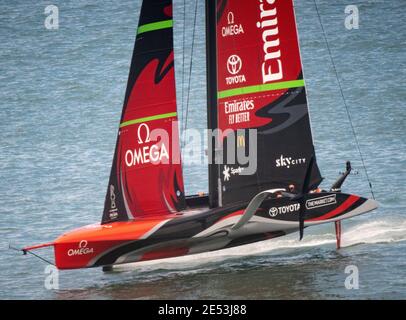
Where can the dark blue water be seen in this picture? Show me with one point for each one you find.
(60, 102)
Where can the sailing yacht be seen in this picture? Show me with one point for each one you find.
(256, 100)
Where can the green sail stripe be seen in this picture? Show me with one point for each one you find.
(155, 26)
(261, 88)
(147, 119)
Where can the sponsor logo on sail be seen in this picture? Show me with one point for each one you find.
(232, 28)
(321, 202)
(288, 162)
(146, 153)
(292, 208)
(238, 111)
(234, 66)
(82, 249)
(230, 171)
(113, 212)
(238, 106)
(272, 64)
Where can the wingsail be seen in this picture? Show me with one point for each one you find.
(146, 175)
(260, 86)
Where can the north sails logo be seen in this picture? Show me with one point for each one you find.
(321, 202)
(81, 250)
(289, 161)
(292, 208)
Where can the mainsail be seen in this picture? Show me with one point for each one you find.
(146, 175)
(260, 86)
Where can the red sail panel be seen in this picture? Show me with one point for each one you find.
(261, 86)
(146, 177)
(257, 45)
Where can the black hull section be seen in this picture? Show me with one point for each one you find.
(211, 229)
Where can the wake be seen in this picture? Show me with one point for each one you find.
(370, 232)
(380, 231)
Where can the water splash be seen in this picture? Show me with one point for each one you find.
(370, 232)
(377, 231)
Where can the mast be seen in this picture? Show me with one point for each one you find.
(211, 67)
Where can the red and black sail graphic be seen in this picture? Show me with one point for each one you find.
(146, 176)
(260, 86)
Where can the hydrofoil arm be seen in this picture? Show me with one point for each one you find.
(253, 207)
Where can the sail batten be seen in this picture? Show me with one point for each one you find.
(155, 26)
(261, 88)
(148, 119)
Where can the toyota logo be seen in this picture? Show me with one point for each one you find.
(273, 212)
(234, 64)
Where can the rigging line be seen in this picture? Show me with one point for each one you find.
(344, 100)
(190, 71)
(35, 255)
(41, 258)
